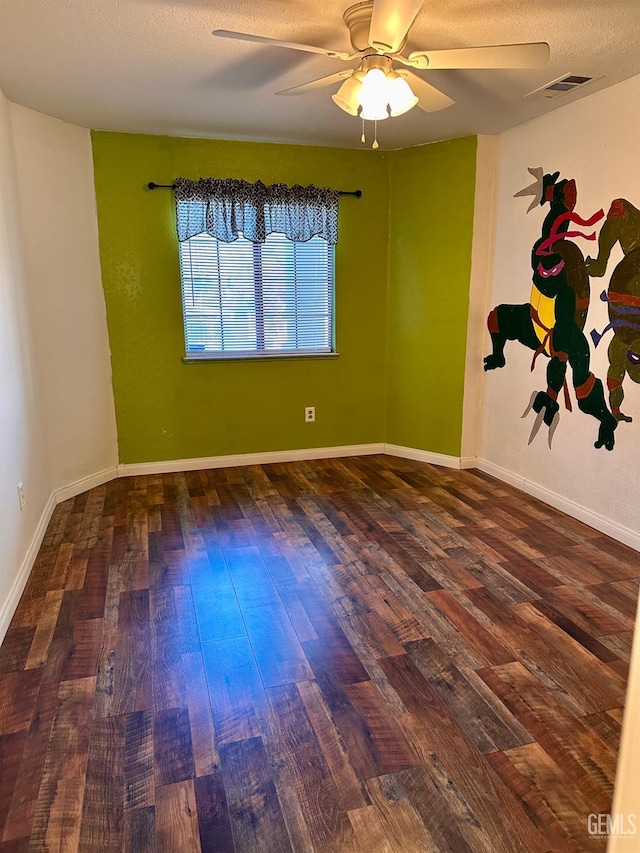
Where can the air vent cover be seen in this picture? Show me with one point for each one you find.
(561, 86)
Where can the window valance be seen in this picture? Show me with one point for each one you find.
(225, 208)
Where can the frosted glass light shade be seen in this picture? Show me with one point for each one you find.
(348, 95)
(401, 98)
(374, 85)
(374, 111)
(374, 96)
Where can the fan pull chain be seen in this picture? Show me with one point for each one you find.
(375, 135)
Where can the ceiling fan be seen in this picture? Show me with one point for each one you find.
(378, 32)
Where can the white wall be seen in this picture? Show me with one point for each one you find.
(66, 302)
(22, 435)
(595, 141)
(57, 419)
(481, 267)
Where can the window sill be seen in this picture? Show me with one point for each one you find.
(208, 357)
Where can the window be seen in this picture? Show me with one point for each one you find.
(244, 299)
(256, 264)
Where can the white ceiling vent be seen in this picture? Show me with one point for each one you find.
(561, 86)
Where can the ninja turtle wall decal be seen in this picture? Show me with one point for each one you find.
(623, 297)
(552, 323)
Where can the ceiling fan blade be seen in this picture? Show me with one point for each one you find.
(430, 99)
(532, 55)
(320, 83)
(390, 23)
(291, 45)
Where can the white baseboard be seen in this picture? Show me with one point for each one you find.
(423, 456)
(172, 466)
(593, 519)
(11, 603)
(86, 483)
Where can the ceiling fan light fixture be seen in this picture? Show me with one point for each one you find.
(400, 94)
(348, 95)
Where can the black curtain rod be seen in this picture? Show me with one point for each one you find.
(153, 186)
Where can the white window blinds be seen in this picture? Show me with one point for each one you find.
(251, 299)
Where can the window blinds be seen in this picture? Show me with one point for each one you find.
(246, 298)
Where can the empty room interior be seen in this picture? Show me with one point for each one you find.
(319, 426)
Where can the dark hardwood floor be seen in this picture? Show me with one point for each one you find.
(368, 655)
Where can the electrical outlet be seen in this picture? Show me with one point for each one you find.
(21, 498)
(309, 414)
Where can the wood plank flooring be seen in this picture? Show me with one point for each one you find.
(364, 655)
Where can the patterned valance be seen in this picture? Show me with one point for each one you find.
(228, 207)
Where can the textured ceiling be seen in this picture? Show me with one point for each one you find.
(152, 66)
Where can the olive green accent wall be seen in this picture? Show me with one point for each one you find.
(169, 410)
(402, 280)
(432, 192)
